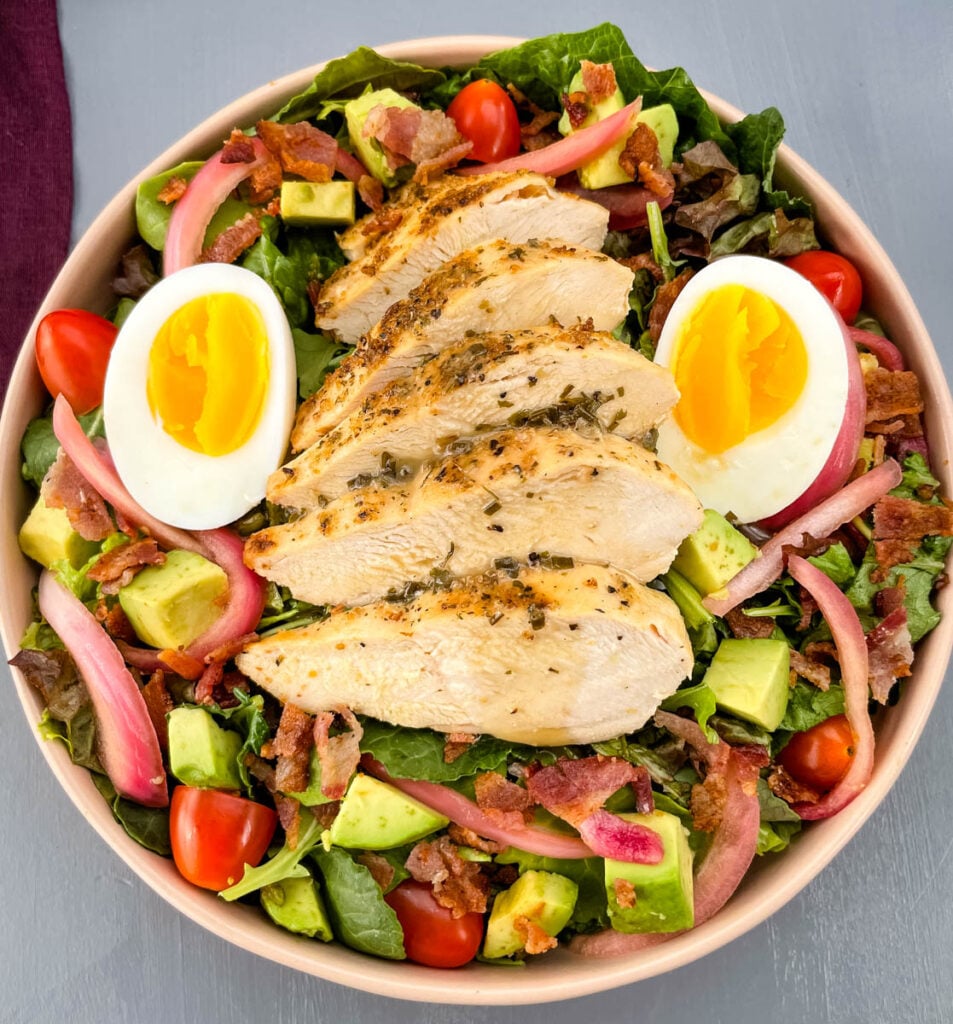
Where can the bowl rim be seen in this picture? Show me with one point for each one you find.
(560, 975)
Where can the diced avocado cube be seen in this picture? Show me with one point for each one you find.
(541, 898)
(312, 796)
(318, 204)
(169, 605)
(653, 897)
(750, 679)
(713, 554)
(369, 149)
(296, 904)
(48, 537)
(605, 170)
(377, 816)
(201, 752)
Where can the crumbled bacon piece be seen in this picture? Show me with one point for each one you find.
(433, 166)
(182, 664)
(745, 626)
(538, 140)
(818, 649)
(811, 669)
(114, 621)
(891, 393)
(458, 884)
(576, 105)
(292, 745)
(640, 159)
(289, 814)
(371, 192)
(624, 893)
(808, 608)
(575, 789)
(262, 184)
(457, 744)
(539, 119)
(467, 837)
(665, 297)
(207, 683)
(381, 223)
(233, 241)
(238, 149)
(791, 791)
(119, 566)
(381, 869)
(598, 80)
(173, 190)
(158, 703)
(301, 148)
(535, 939)
(889, 599)
(412, 135)
(231, 648)
(889, 653)
(65, 487)
(501, 800)
(908, 519)
(708, 801)
(890, 553)
(339, 755)
(643, 261)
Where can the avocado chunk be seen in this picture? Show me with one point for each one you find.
(538, 897)
(377, 816)
(317, 204)
(605, 169)
(713, 554)
(368, 149)
(653, 897)
(169, 605)
(296, 905)
(48, 537)
(312, 796)
(750, 678)
(201, 752)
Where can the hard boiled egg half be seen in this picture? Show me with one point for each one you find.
(770, 412)
(200, 395)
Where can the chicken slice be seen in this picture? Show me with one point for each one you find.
(551, 657)
(498, 286)
(515, 493)
(394, 249)
(482, 382)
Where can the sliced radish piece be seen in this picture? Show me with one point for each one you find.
(571, 152)
(127, 742)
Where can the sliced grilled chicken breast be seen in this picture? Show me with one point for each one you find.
(483, 382)
(498, 286)
(394, 249)
(513, 494)
(554, 656)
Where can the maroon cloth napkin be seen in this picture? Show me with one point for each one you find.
(36, 167)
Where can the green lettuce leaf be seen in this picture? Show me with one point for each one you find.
(776, 836)
(39, 446)
(807, 706)
(148, 826)
(836, 563)
(315, 355)
(701, 700)
(360, 917)
(286, 863)
(247, 718)
(153, 216)
(349, 76)
(917, 480)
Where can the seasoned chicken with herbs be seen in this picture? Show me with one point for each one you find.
(513, 494)
(497, 286)
(545, 656)
(393, 249)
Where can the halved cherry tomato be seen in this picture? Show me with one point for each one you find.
(215, 834)
(819, 757)
(834, 276)
(432, 935)
(72, 352)
(486, 115)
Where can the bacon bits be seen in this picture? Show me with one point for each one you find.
(300, 148)
(119, 566)
(65, 487)
(233, 241)
(458, 885)
(293, 742)
(575, 789)
(339, 755)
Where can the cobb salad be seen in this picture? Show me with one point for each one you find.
(764, 550)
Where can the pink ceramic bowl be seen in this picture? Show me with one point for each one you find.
(84, 282)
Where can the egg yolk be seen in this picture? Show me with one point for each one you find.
(208, 373)
(740, 364)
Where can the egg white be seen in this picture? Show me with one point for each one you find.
(766, 471)
(182, 487)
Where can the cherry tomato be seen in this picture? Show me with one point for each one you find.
(486, 115)
(833, 276)
(819, 757)
(215, 834)
(432, 935)
(72, 351)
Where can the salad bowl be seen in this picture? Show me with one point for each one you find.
(84, 282)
